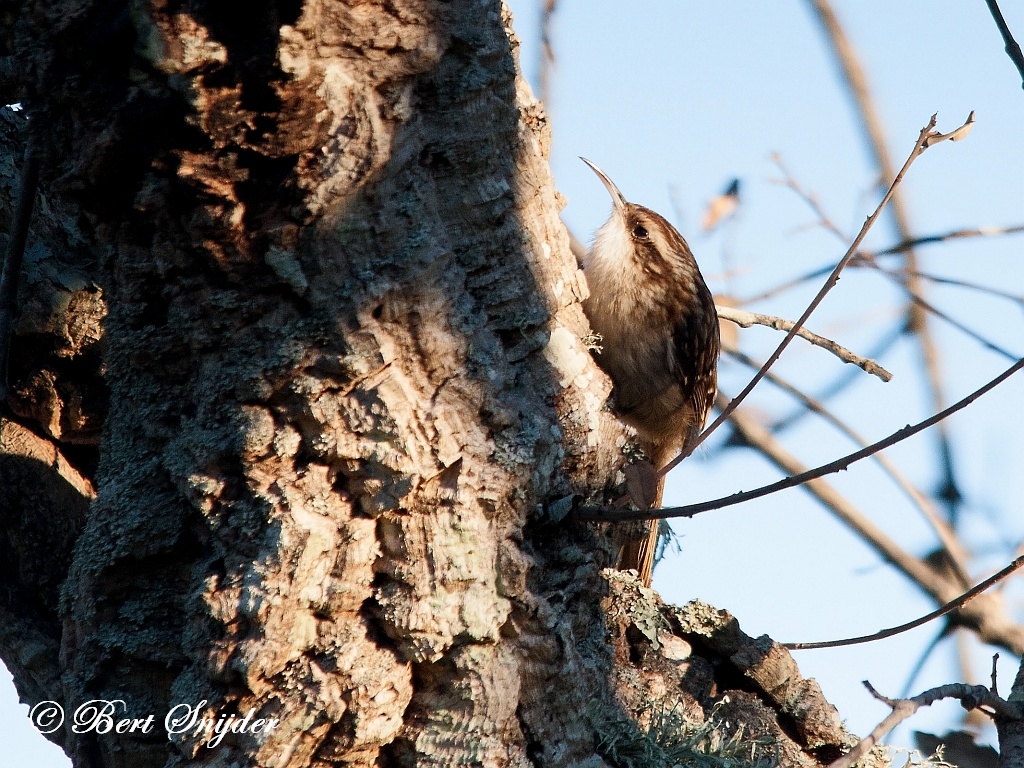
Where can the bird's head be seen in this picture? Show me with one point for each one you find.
(637, 236)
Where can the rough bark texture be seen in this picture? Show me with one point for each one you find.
(302, 263)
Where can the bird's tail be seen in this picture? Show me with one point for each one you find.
(638, 554)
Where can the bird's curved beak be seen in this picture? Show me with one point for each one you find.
(617, 199)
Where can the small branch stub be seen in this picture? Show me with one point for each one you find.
(746, 319)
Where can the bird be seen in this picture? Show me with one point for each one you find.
(659, 338)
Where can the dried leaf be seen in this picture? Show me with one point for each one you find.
(721, 207)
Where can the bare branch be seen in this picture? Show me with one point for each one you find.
(790, 181)
(844, 379)
(995, 674)
(833, 279)
(547, 51)
(894, 275)
(986, 615)
(958, 134)
(786, 286)
(898, 248)
(957, 555)
(866, 260)
(917, 320)
(949, 607)
(970, 696)
(931, 579)
(1012, 49)
(746, 319)
(957, 283)
(990, 345)
(922, 660)
(790, 482)
(955, 234)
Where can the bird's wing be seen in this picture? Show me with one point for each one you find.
(695, 346)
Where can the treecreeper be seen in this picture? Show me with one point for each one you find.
(659, 338)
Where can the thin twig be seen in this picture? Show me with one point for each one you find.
(790, 181)
(12, 262)
(786, 286)
(956, 234)
(745, 319)
(986, 615)
(932, 580)
(957, 283)
(995, 674)
(949, 607)
(958, 557)
(932, 309)
(898, 276)
(917, 320)
(990, 345)
(790, 482)
(833, 279)
(547, 51)
(1012, 49)
(892, 250)
(970, 696)
(922, 660)
(844, 379)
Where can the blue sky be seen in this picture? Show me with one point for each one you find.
(673, 98)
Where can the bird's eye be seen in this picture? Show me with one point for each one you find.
(640, 233)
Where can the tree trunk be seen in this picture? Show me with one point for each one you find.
(298, 304)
